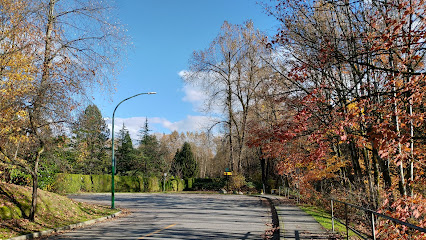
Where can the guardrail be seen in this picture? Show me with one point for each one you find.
(373, 215)
(287, 192)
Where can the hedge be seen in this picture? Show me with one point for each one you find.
(67, 183)
(74, 183)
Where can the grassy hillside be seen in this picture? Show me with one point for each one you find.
(53, 211)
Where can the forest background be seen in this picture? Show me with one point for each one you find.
(331, 106)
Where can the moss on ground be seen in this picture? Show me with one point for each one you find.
(53, 211)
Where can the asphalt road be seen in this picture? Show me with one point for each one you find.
(178, 216)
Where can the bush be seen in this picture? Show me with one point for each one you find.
(128, 184)
(189, 183)
(67, 183)
(73, 183)
(153, 184)
(237, 182)
(180, 185)
(208, 184)
(19, 177)
(102, 183)
(174, 185)
(86, 183)
(46, 180)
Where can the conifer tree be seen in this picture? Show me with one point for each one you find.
(184, 163)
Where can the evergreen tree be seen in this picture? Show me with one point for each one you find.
(149, 148)
(184, 163)
(126, 157)
(90, 136)
(176, 168)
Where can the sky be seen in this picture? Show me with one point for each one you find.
(164, 34)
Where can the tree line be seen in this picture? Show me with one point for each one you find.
(333, 103)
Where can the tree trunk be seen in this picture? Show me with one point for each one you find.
(403, 189)
(34, 174)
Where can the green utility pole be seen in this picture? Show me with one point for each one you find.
(113, 154)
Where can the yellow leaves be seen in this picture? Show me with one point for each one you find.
(16, 72)
(352, 106)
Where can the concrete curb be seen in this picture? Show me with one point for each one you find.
(60, 229)
(275, 219)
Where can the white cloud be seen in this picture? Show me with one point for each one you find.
(189, 124)
(198, 94)
(195, 96)
(161, 125)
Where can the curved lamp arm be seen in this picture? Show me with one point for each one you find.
(112, 145)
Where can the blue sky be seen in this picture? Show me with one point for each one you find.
(164, 35)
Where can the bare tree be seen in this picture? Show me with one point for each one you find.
(78, 47)
(230, 71)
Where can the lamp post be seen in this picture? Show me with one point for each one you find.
(112, 139)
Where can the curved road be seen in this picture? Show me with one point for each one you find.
(178, 216)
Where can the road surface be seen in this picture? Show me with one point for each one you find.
(178, 216)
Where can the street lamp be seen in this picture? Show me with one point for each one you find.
(112, 138)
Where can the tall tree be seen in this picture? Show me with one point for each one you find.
(16, 80)
(126, 154)
(230, 71)
(185, 163)
(71, 46)
(149, 147)
(91, 134)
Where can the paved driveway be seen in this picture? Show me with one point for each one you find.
(178, 216)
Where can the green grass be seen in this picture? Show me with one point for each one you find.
(53, 211)
(324, 218)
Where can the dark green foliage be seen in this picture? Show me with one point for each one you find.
(184, 163)
(46, 177)
(74, 183)
(129, 184)
(208, 184)
(101, 183)
(19, 177)
(189, 183)
(153, 184)
(153, 156)
(175, 184)
(67, 183)
(126, 156)
(90, 135)
(86, 183)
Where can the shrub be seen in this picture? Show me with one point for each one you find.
(209, 184)
(174, 185)
(180, 185)
(102, 183)
(128, 184)
(19, 177)
(237, 181)
(67, 183)
(86, 183)
(189, 183)
(153, 184)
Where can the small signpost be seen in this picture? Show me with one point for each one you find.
(227, 173)
(164, 182)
